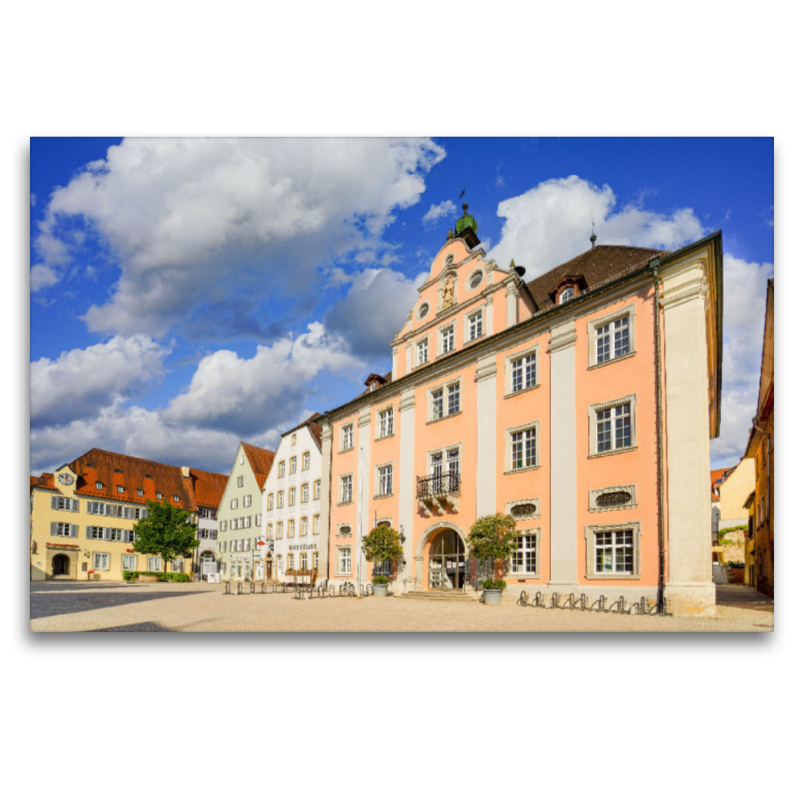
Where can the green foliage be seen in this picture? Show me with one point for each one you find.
(177, 577)
(381, 579)
(165, 531)
(382, 544)
(493, 584)
(734, 528)
(493, 538)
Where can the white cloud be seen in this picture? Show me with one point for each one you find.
(552, 222)
(376, 304)
(81, 382)
(446, 208)
(250, 395)
(196, 221)
(744, 293)
(42, 277)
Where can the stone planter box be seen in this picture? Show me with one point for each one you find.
(148, 579)
(380, 589)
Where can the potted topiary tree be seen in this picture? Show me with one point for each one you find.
(382, 545)
(492, 540)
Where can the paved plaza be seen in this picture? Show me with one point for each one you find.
(58, 606)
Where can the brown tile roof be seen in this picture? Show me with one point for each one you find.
(718, 475)
(117, 469)
(207, 487)
(44, 481)
(260, 461)
(602, 263)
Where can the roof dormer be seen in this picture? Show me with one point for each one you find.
(374, 382)
(568, 287)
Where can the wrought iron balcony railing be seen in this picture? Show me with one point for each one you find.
(430, 486)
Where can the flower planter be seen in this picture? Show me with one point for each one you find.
(492, 597)
(380, 589)
(148, 579)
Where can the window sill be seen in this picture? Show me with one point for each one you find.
(612, 360)
(612, 576)
(381, 438)
(348, 449)
(522, 391)
(524, 576)
(522, 469)
(613, 508)
(441, 419)
(614, 452)
(382, 496)
(345, 503)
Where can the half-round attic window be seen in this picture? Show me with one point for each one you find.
(449, 260)
(475, 279)
(423, 311)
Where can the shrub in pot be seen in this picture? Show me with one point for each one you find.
(382, 544)
(492, 540)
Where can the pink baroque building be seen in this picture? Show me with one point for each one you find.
(581, 403)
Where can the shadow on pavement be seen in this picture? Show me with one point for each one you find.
(142, 627)
(76, 602)
(735, 595)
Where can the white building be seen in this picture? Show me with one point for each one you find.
(291, 509)
(239, 516)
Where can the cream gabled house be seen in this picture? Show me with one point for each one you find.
(239, 516)
(83, 514)
(291, 504)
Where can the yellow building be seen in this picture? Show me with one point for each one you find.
(82, 516)
(760, 546)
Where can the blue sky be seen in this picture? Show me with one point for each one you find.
(186, 294)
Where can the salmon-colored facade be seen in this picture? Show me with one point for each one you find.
(540, 400)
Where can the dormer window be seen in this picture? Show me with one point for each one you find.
(373, 386)
(566, 294)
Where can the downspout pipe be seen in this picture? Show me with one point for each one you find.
(655, 266)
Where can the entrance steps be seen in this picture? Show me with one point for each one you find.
(434, 595)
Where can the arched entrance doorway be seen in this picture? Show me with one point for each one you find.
(60, 565)
(447, 561)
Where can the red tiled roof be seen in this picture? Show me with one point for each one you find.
(597, 265)
(44, 481)
(207, 487)
(260, 460)
(718, 475)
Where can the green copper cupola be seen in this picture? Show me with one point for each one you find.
(467, 228)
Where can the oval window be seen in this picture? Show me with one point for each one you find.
(345, 530)
(522, 510)
(423, 310)
(475, 280)
(613, 499)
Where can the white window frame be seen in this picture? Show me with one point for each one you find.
(234, 503)
(593, 325)
(303, 526)
(344, 560)
(534, 426)
(593, 409)
(240, 481)
(342, 499)
(306, 462)
(290, 529)
(315, 527)
(451, 327)
(445, 389)
(563, 296)
(282, 469)
(518, 356)
(468, 317)
(379, 482)
(105, 563)
(304, 493)
(279, 530)
(248, 500)
(177, 564)
(317, 489)
(292, 496)
(270, 501)
(129, 562)
(536, 533)
(293, 465)
(384, 423)
(280, 499)
(591, 561)
(424, 342)
(154, 563)
(347, 437)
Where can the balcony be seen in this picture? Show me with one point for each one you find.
(436, 491)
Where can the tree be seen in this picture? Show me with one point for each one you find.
(493, 539)
(382, 544)
(165, 531)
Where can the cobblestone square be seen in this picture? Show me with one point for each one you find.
(200, 607)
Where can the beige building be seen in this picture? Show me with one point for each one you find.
(239, 516)
(82, 516)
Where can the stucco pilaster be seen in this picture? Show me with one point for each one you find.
(486, 378)
(406, 483)
(325, 498)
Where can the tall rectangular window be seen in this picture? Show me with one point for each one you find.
(475, 325)
(306, 461)
(437, 404)
(291, 529)
(248, 500)
(614, 429)
(523, 559)
(316, 524)
(129, 562)
(282, 469)
(347, 437)
(422, 352)
(280, 499)
(385, 480)
(293, 465)
(154, 564)
(292, 495)
(270, 501)
(240, 481)
(454, 398)
(101, 561)
(386, 422)
(347, 488)
(523, 372)
(448, 339)
(523, 449)
(304, 526)
(304, 493)
(345, 562)
(317, 490)
(279, 531)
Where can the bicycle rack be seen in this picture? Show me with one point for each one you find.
(582, 603)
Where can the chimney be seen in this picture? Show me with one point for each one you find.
(185, 472)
